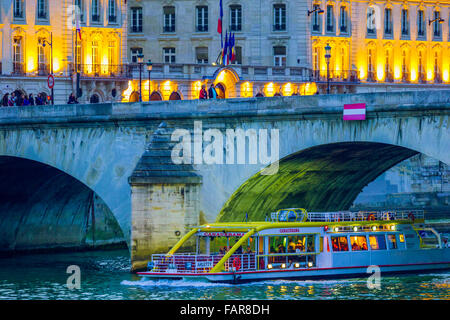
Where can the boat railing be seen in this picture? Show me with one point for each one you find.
(365, 215)
(200, 263)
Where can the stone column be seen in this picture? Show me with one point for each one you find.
(165, 200)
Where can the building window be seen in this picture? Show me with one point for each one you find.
(279, 55)
(111, 53)
(169, 19)
(405, 22)
(135, 52)
(339, 243)
(136, 19)
(316, 20)
(420, 23)
(235, 18)
(201, 54)
(95, 8)
(42, 9)
(437, 71)
(17, 55)
(371, 26)
(80, 5)
(279, 17)
(18, 9)
(169, 55)
(377, 242)
(238, 55)
(343, 20)
(112, 11)
(330, 18)
(370, 64)
(42, 58)
(202, 19)
(388, 21)
(437, 29)
(316, 59)
(78, 57)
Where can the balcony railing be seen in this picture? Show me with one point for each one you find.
(104, 71)
(18, 68)
(335, 76)
(43, 69)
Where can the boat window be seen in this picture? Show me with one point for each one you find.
(377, 242)
(392, 241)
(359, 243)
(277, 244)
(339, 243)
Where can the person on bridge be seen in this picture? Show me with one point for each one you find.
(212, 94)
(203, 93)
(5, 100)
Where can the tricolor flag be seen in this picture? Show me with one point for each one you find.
(225, 49)
(233, 51)
(356, 111)
(219, 23)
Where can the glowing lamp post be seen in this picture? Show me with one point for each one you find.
(44, 43)
(149, 69)
(140, 58)
(327, 58)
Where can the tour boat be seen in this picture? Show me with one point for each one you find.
(295, 244)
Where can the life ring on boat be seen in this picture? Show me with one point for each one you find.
(371, 217)
(411, 216)
(236, 263)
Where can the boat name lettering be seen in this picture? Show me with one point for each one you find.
(289, 230)
(203, 264)
(222, 234)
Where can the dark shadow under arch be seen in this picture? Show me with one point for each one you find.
(322, 178)
(43, 208)
(175, 96)
(155, 96)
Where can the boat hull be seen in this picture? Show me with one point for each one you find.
(304, 274)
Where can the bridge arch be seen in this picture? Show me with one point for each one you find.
(321, 178)
(43, 208)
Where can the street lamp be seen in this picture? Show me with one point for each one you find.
(327, 58)
(439, 19)
(149, 69)
(316, 9)
(44, 42)
(140, 58)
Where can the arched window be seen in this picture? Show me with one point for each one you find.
(175, 96)
(155, 96)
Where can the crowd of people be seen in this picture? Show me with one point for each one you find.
(19, 99)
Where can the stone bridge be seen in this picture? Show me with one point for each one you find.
(56, 158)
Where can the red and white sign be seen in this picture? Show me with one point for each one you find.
(51, 81)
(356, 111)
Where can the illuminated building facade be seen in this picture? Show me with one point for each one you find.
(27, 29)
(280, 46)
(393, 45)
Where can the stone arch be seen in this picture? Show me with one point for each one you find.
(321, 178)
(156, 96)
(37, 215)
(134, 97)
(228, 78)
(175, 95)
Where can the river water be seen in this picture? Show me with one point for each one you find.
(105, 275)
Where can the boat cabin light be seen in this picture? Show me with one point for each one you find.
(393, 227)
(269, 266)
(297, 265)
(336, 229)
(355, 229)
(283, 266)
(208, 226)
(374, 228)
(310, 264)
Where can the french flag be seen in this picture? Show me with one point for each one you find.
(356, 111)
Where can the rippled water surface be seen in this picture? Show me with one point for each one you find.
(105, 275)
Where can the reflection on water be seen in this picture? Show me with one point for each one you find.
(105, 275)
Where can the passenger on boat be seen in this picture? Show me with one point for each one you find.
(355, 247)
(291, 247)
(364, 246)
(335, 244)
(299, 247)
(280, 249)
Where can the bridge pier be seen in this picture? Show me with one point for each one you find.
(164, 201)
